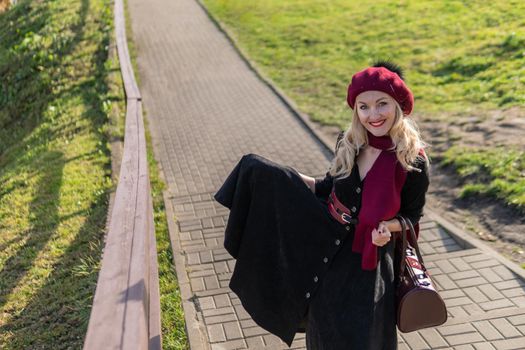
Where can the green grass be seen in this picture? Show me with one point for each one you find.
(499, 172)
(55, 174)
(461, 58)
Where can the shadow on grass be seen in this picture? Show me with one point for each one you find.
(462, 67)
(56, 317)
(44, 222)
(58, 314)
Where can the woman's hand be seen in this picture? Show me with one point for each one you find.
(381, 235)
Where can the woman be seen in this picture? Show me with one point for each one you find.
(326, 262)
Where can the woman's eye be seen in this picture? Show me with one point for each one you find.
(362, 107)
(382, 104)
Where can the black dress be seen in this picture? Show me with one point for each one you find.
(295, 269)
(354, 308)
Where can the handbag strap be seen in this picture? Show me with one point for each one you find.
(414, 239)
(406, 223)
(402, 262)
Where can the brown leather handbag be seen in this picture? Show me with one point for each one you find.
(419, 305)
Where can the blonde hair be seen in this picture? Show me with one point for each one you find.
(404, 133)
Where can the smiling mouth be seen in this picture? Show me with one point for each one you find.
(377, 124)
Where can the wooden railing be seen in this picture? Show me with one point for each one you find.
(126, 307)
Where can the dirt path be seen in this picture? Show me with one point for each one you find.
(485, 218)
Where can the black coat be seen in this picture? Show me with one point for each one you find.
(283, 239)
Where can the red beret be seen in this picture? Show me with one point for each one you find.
(381, 79)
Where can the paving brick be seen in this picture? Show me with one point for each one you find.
(222, 300)
(206, 303)
(460, 264)
(496, 304)
(486, 263)
(456, 329)
(483, 346)
(415, 340)
(457, 311)
(519, 301)
(222, 267)
(490, 275)
(465, 347)
(473, 309)
(249, 332)
(476, 281)
(463, 274)
(453, 293)
(220, 318)
(247, 323)
(505, 328)
(445, 282)
(255, 342)
(211, 282)
(466, 338)
(446, 266)
(478, 257)
(475, 294)
(491, 292)
(517, 320)
(216, 333)
(229, 345)
(232, 330)
(510, 344)
(488, 330)
(433, 338)
(509, 284)
(197, 284)
(504, 272)
(458, 301)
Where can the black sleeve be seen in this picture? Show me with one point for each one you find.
(414, 191)
(323, 187)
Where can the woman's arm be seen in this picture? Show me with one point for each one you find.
(412, 197)
(309, 181)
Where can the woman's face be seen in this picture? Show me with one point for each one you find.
(376, 111)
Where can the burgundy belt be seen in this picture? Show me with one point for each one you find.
(339, 211)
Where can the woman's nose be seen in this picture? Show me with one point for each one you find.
(374, 114)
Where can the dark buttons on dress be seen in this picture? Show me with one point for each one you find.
(337, 242)
(307, 295)
(358, 190)
(353, 209)
(325, 260)
(316, 279)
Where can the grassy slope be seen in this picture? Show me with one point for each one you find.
(461, 57)
(54, 168)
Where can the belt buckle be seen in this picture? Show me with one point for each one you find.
(346, 218)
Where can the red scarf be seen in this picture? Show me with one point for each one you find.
(381, 198)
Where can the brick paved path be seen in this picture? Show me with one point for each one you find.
(206, 109)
